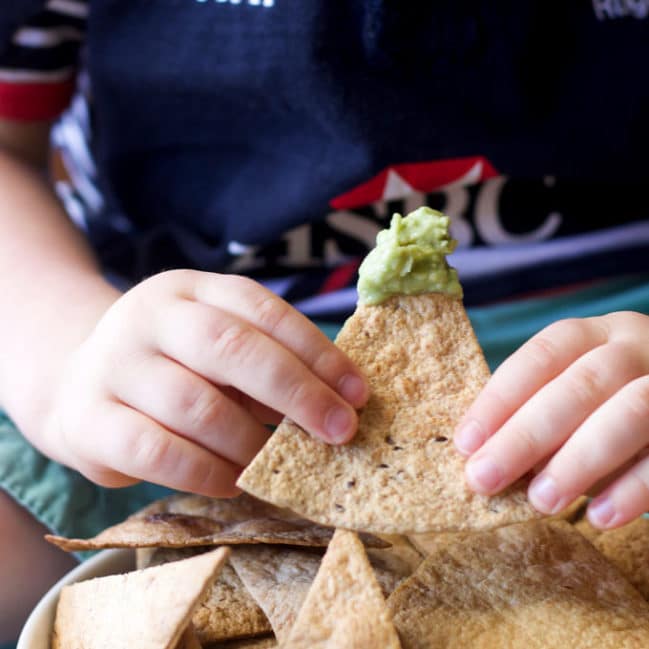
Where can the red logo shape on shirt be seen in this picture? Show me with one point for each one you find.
(397, 181)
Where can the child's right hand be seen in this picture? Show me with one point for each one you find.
(178, 378)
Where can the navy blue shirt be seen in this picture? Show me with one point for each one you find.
(275, 138)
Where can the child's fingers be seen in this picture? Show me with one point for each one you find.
(227, 350)
(259, 411)
(536, 363)
(265, 311)
(605, 441)
(626, 499)
(549, 418)
(132, 444)
(189, 405)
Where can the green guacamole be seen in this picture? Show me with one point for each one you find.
(410, 258)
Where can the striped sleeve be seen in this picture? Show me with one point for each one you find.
(39, 49)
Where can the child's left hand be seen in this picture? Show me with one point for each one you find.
(575, 397)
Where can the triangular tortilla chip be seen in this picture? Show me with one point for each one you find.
(279, 578)
(401, 473)
(401, 557)
(344, 608)
(252, 643)
(228, 610)
(147, 609)
(428, 543)
(628, 548)
(538, 585)
(184, 520)
(583, 526)
(188, 639)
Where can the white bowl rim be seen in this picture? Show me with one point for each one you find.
(38, 628)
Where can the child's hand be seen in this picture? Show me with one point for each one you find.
(177, 380)
(577, 397)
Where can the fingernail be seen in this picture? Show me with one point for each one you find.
(483, 475)
(544, 494)
(352, 389)
(469, 438)
(338, 424)
(601, 512)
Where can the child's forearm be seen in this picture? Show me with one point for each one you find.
(52, 292)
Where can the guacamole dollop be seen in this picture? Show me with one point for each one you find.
(410, 258)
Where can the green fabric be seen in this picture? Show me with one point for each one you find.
(502, 328)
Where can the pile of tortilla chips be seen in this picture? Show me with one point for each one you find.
(377, 544)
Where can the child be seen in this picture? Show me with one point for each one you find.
(255, 138)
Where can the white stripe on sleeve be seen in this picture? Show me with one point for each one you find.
(74, 8)
(9, 75)
(45, 37)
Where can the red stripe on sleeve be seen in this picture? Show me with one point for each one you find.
(35, 101)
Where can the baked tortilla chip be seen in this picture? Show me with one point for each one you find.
(147, 609)
(538, 585)
(583, 526)
(184, 520)
(188, 639)
(401, 557)
(628, 548)
(252, 643)
(344, 608)
(401, 473)
(428, 543)
(228, 610)
(279, 578)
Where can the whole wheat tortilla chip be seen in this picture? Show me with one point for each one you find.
(279, 578)
(188, 639)
(402, 557)
(538, 585)
(344, 608)
(228, 610)
(628, 548)
(428, 543)
(401, 473)
(184, 520)
(147, 609)
(252, 643)
(583, 526)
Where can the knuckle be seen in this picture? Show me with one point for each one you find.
(542, 352)
(271, 313)
(583, 384)
(328, 362)
(151, 450)
(233, 340)
(636, 398)
(298, 394)
(202, 407)
(630, 319)
(531, 443)
(623, 356)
